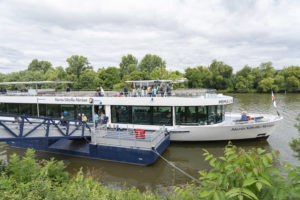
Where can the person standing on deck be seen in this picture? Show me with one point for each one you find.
(102, 118)
(162, 91)
(79, 119)
(84, 121)
(101, 92)
(98, 91)
(168, 90)
(96, 119)
(144, 91)
(134, 92)
(154, 92)
(125, 91)
(139, 91)
(158, 90)
(149, 90)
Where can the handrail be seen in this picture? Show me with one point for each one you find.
(46, 127)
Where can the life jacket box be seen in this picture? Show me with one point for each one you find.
(139, 133)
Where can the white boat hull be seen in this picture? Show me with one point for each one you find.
(217, 132)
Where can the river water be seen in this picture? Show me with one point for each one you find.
(188, 156)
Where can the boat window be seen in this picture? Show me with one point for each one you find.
(34, 110)
(25, 109)
(162, 115)
(121, 114)
(202, 115)
(191, 114)
(219, 117)
(53, 110)
(212, 114)
(42, 110)
(186, 115)
(69, 111)
(87, 110)
(141, 115)
(3, 108)
(13, 108)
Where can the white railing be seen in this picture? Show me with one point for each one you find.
(126, 138)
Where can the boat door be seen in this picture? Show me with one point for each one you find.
(99, 108)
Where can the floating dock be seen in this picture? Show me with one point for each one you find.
(133, 146)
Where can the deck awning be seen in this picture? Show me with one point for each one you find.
(154, 82)
(34, 82)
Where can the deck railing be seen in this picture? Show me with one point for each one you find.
(205, 93)
(127, 138)
(14, 127)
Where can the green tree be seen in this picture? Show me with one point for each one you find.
(78, 64)
(159, 74)
(88, 80)
(199, 77)
(151, 62)
(108, 77)
(36, 65)
(267, 70)
(293, 83)
(279, 80)
(244, 80)
(266, 85)
(128, 65)
(137, 75)
(222, 75)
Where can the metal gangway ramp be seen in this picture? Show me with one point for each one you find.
(20, 127)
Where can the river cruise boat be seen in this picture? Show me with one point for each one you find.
(186, 118)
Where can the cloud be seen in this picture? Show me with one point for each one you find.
(184, 33)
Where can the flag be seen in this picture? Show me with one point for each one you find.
(273, 100)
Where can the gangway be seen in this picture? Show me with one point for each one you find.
(20, 127)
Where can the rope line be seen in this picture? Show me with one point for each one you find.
(174, 166)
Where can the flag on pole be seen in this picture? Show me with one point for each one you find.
(273, 100)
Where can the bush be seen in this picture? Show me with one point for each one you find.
(241, 174)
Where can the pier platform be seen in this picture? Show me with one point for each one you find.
(133, 146)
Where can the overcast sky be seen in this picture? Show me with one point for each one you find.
(185, 33)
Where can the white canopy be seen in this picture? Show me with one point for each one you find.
(34, 82)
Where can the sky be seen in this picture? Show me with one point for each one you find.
(184, 33)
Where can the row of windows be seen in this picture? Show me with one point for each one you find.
(189, 115)
(148, 115)
(162, 115)
(47, 110)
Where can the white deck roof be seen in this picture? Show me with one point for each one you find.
(34, 82)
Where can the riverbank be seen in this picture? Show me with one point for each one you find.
(238, 174)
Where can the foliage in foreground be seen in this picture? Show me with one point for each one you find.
(241, 174)
(295, 143)
(27, 179)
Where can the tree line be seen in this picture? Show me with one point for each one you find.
(217, 75)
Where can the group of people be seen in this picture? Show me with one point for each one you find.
(81, 120)
(99, 118)
(150, 91)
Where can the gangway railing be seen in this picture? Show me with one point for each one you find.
(127, 138)
(20, 127)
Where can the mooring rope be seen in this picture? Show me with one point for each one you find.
(174, 166)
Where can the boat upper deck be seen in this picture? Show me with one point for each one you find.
(188, 97)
